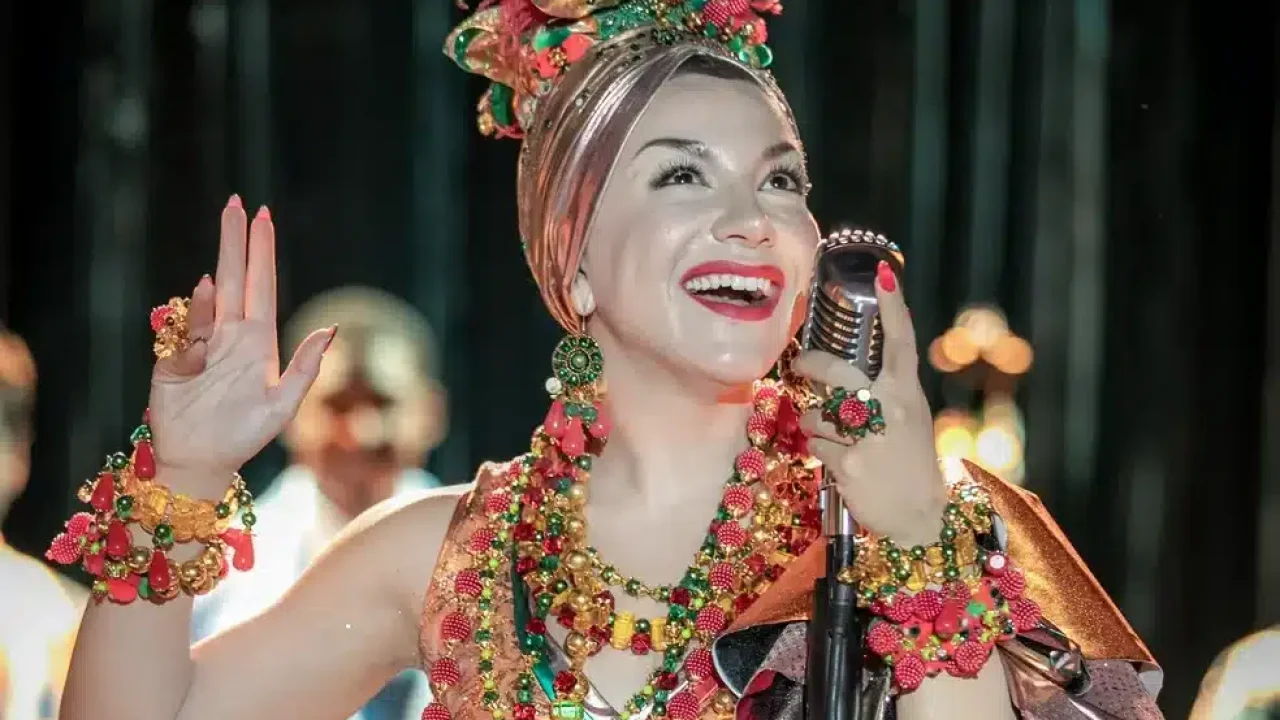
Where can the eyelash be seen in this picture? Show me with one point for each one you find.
(668, 171)
(793, 172)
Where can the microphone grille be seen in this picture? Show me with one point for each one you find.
(844, 317)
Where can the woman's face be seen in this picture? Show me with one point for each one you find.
(703, 240)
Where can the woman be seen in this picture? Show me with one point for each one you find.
(662, 203)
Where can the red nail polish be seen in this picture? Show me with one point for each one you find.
(884, 274)
(234, 201)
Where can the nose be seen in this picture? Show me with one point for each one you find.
(744, 222)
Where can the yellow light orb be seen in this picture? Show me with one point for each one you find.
(997, 448)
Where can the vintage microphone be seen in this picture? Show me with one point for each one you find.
(843, 319)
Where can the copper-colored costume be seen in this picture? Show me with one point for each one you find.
(763, 652)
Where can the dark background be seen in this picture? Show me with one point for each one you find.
(1104, 171)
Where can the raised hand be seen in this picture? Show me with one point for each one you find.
(891, 481)
(215, 405)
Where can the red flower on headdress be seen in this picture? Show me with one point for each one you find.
(553, 60)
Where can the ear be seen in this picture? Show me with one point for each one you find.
(584, 301)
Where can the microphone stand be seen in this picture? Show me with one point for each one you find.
(841, 320)
(833, 683)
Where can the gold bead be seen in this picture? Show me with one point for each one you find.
(192, 572)
(658, 633)
(139, 559)
(759, 535)
(580, 602)
(577, 645)
(577, 493)
(577, 561)
(763, 498)
(723, 704)
(575, 528)
(85, 493)
(211, 559)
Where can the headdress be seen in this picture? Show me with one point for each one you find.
(571, 77)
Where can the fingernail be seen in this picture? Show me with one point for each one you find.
(234, 201)
(333, 332)
(264, 213)
(884, 274)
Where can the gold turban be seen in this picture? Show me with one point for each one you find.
(572, 77)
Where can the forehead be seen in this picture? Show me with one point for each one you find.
(715, 111)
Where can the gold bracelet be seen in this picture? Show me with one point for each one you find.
(189, 519)
(882, 568)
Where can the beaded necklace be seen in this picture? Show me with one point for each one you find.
(536, 536)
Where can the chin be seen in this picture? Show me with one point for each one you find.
(735, 353)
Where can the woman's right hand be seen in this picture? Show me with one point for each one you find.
(214, 406)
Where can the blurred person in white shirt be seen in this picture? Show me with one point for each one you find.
(39, 610)
(1244, 681)
(361, 437)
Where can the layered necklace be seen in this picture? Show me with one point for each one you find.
(536, 538)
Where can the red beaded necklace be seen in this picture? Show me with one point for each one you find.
(767, 516)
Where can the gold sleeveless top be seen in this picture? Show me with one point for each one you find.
(464, 699)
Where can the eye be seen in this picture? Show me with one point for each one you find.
(787, 178)
(678, 173)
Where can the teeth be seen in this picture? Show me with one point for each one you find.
(704, 283)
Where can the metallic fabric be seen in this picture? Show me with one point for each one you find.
(568, 155)
(463, 700)
(1115, 692)
(1058, 580)
(775, 690)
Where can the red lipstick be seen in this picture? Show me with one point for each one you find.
(762, 309)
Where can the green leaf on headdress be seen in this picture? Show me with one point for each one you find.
(500, 104)
(462, 42)
(549, 37)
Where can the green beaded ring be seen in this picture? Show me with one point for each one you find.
(854, 415)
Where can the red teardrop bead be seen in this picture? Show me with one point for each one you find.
(948, 621)
(118, 540)
(555, 423)
(121, 591)
(242, 557)
(104, 493)
(144, 461)
(159, 575)
(574, 441)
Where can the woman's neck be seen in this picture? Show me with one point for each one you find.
(673, 441)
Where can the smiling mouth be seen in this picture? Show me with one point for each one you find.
(732, 289)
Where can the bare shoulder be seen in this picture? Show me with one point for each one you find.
(405, 535)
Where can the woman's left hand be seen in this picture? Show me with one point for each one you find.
(891, 481)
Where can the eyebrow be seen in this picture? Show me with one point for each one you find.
(693, 147)
(699, 149)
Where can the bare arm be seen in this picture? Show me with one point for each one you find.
(985, 697)
(346, 627)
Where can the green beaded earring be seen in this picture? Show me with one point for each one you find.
(576, 363)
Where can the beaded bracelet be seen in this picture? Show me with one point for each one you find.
(123, 493)
(945, 606)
